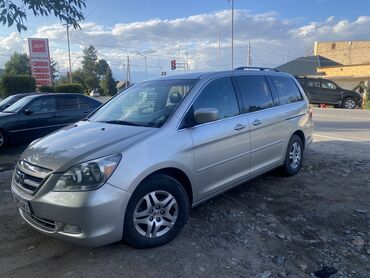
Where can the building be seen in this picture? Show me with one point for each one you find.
(353, 58)
(306, 66)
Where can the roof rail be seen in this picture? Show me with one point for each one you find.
(256, 68)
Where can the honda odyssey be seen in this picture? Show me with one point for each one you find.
(133, 169)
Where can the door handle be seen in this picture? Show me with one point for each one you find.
(257, 122)
(239, 127)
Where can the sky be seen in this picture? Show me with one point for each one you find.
(162, 30)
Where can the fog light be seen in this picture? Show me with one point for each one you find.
(71, 229)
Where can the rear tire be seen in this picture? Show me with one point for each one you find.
(293, 156)
(349, 103)
(3, 139)
(156, 213)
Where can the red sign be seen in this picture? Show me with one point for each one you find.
(40, 61)
(39, 46)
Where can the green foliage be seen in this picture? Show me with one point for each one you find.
(53, 69)
(46, 89)
(18, 64)
(108, 84)
(91, 83)
(15, 84)
(367, 105)
(69, 88)
(89, 64)
(67, 11)
(101, 67)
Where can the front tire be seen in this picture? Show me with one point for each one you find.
(156, 212)
(349, 103)
(293, 156)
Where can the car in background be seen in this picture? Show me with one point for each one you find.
(320, 91)
(37, 115)
(10, 100)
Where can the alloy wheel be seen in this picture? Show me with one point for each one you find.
(349, 104)
(295, 155)
(155, 214)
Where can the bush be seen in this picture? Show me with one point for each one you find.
(367, 105)
(46, 89)
(69, 88)
(16, 84)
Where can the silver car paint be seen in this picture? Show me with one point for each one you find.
(214, 156)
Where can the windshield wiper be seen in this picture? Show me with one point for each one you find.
(118, 122)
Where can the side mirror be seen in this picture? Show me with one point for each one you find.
(206, 115)
(28, 111)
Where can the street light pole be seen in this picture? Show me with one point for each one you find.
(146, 67)
(69, 54)
(232, 34)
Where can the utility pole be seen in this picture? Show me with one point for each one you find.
(249, 55)
(128, 74)
(187, 60)
(146, 67)
(69, 54)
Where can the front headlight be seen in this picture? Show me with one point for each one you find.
(89, 175)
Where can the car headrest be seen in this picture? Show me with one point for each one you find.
(175, 97)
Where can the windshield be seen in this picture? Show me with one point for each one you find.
(18, 105)
(8, 101)
(146, 104)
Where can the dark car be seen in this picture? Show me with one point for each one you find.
(10, 100)
(320, 90)
(37, 115)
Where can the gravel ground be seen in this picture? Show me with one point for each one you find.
(315, 223)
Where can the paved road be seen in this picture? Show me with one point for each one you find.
(342, 132)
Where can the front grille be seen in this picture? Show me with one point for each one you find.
(29, 177)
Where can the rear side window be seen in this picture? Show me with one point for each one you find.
(286, 89)
(219, 94)
(85, 103)
(255, 92)
(313, 83)
(67, 102)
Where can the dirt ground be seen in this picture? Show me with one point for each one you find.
(316, 223)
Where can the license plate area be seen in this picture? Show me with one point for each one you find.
(23, 205)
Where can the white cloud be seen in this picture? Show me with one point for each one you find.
(273, 40)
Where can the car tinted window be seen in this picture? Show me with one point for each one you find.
(255, 92)
(218, 94)
(84, 103)
(42, 105)
(67, 102)
(313, 83)
(328, 85)
(286, 89)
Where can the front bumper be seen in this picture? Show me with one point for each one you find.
(98, 214)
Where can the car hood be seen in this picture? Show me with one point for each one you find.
(82, 142)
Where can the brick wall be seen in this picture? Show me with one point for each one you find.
(344, 52)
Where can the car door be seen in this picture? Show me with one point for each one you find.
(221, 147)
(266, 129)
(312, 88)
(37, 119)
(69, 109)
(332, 93)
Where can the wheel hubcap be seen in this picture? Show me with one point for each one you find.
(349, 103)
(295, 155)
(155, 214)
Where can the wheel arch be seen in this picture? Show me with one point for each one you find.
(301, 135)
(178, 175)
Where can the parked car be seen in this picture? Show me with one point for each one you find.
(37, 115)
(320, 91)
(10, 100)
(142, 160)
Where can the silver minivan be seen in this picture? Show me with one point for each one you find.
(133, 169)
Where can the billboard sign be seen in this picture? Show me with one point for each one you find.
(40, 61)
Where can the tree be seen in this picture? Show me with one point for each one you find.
(91, 83)
(108, 84)
(18, 64)
(14, 12)
(89, 59)
(101, 67)
(53, 69)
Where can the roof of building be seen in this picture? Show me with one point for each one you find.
(306, 65)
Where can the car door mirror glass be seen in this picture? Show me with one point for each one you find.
(28, 111)
(205, 115)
